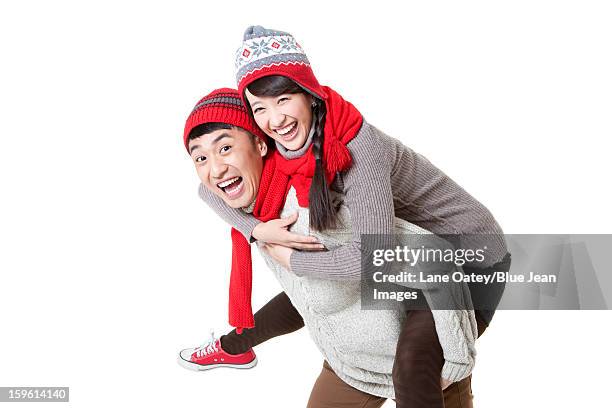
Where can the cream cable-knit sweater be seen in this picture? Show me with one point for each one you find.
(360, 344)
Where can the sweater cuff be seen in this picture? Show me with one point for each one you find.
(456, 371)
(297, 262)
(248, 231)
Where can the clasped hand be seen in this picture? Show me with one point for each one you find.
(279, 242)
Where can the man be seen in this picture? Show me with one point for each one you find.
(228, 150)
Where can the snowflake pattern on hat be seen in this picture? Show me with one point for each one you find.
(258, 48)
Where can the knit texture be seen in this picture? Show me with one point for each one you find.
(419, 193)
(360, 345)
(221, 106)
(265, 52)
(241, 284)
(343, 123)
(389, 180)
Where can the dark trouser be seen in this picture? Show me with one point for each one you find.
(275, 318)
(418, 359)
(329, 391)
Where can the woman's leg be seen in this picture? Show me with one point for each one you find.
(419, 359)
(418, 363)
(330, 391)
(275, 318)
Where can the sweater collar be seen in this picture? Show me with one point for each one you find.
(250, 208)
(294, 154)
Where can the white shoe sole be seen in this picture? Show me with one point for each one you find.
(197, 367)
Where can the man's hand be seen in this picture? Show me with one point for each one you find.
(276, 232)
(444, 383)
(281, 254)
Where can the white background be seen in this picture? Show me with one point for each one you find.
(110, 263)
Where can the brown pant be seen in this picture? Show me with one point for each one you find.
(330, 391)
(416, 371)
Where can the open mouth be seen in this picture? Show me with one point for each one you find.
(288, 132)
(232, 187)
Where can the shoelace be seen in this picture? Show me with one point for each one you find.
(209, 347)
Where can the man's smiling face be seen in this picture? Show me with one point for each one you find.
(229, 163)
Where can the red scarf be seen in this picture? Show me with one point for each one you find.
(342, 122)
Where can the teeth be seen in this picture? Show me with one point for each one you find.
(227, 182)
(232, 191)
(285, 130)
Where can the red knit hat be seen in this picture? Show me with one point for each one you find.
(267, 52)
(223, 106)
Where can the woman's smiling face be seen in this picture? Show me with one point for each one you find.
(286, 118)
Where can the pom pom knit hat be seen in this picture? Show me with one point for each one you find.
(267, 52)
(222, 106)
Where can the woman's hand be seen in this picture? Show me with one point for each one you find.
(444, 383)
(281, 254)
(276, 232)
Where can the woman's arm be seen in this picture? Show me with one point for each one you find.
(369, 198)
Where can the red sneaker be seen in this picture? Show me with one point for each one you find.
(210, 355)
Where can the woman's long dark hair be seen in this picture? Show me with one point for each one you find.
(322, 211)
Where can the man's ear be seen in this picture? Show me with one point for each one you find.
(262, 147)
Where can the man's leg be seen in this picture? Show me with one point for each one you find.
(330, 391)
(275, 318)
